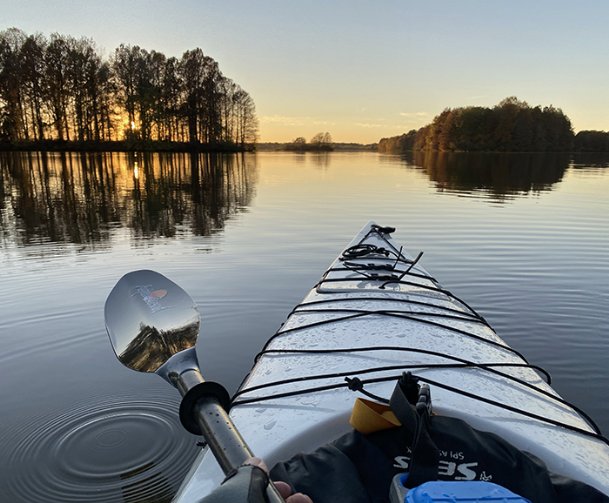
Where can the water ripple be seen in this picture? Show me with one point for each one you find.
(102, 451)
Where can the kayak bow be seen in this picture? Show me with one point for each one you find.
(375, 313)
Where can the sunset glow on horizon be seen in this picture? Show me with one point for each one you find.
(362, 70)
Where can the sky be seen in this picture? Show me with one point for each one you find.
(363, 70)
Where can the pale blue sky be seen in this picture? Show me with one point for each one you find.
(364, 69)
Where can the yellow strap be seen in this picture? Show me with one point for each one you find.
(368, 416)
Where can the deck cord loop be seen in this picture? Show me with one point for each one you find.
(399, 278)
(356, 384)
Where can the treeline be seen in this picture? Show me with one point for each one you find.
(321, 142)
(510, 126)
(591, 141)
(60, 88)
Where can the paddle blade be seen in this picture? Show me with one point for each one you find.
(149, 319)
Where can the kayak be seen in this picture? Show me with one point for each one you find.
(374, 314)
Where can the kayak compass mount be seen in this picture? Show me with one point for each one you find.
(153, 326)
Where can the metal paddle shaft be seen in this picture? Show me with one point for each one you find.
(203, 412)
(225, 442)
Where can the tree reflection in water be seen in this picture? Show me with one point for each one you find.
(82, 198)
(501, 175)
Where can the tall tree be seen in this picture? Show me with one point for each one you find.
(11, 93)
(126, 64)
(202, 105)
(56, 62)
(192, 74)
(32, 72)
(171, 98)
(246, 123)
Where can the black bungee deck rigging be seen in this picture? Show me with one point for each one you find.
(393, 257)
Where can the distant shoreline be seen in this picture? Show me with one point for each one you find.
(335, 147)
(510, 126)
(121, 146)
(168, 146)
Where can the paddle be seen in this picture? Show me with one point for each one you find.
(153, 326)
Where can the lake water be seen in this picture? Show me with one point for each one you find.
(522, 238)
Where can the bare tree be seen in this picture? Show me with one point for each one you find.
(56, 83)
(192, 71)
(322, 140)
(247, 123)
(125, 64)
(11, 96)
(32, 85)
(172, 90)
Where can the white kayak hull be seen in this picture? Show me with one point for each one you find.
(420, 318)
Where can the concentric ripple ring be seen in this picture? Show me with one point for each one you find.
(110, 450)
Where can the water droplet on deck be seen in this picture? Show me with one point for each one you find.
(309, 400)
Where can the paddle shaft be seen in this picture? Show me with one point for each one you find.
(225, 442)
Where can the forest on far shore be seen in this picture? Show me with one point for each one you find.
(510, 126)
(59, 92)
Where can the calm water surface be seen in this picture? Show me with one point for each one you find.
(522, 238)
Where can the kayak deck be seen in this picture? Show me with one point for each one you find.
(375, 314)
